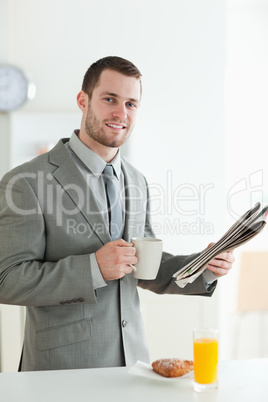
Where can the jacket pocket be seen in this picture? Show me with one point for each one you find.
(61, 335)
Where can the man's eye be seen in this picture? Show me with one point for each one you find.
(130, 104)
(109, 99)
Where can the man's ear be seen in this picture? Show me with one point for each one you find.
(82, 101)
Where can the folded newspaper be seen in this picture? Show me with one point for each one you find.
(244, 229)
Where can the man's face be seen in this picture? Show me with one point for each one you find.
(112, 111)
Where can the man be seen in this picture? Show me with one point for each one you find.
(57, 255)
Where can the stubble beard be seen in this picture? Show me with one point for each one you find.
(95, 131)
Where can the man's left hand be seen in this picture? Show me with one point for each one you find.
(221, 264)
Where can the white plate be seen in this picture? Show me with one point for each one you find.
(145, 370)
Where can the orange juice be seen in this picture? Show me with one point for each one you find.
(206, 360)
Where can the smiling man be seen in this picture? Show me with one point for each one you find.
(109, 112)
(59, 254)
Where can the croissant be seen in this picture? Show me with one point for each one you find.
(172, 367)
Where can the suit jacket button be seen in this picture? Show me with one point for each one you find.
(124, 323)
(80, 299)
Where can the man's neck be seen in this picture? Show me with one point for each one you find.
(106, 153)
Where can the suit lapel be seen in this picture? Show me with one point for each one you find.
(73, 183)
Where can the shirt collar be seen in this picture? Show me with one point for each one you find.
(93, 161)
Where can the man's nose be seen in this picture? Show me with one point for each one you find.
(120, 112)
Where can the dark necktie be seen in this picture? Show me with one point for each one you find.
(114, 205)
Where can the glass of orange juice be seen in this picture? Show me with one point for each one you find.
(205, 358)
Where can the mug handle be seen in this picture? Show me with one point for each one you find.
(133, 266)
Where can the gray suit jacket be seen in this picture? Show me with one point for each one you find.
(50, 225)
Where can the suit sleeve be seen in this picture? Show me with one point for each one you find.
(25, 277)
(165, 283)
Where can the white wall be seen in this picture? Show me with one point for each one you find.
(179, 47)
(246, 106)
(179, 139)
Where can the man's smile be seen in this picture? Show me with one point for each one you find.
(116, 126)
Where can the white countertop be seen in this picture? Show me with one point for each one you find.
(240, 380)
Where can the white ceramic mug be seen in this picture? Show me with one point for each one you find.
(149, 253)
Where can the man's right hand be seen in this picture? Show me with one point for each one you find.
(114, 259)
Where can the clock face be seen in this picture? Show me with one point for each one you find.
(13, 88)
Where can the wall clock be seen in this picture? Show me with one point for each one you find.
(15, 88)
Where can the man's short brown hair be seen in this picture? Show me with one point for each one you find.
(115, 63)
